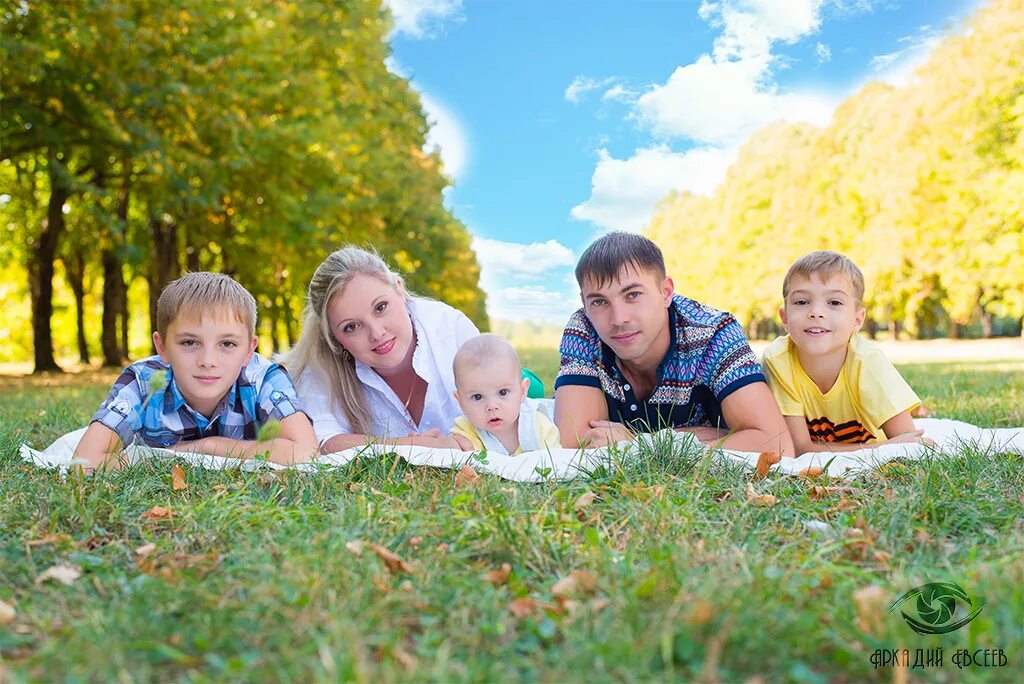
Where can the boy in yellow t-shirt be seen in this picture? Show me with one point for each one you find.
(837, 391)
(491, 390)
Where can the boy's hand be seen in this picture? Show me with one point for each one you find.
(196, 446)
(915, 437)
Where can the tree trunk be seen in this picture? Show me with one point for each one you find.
(113, 283)
(74, 267)
(165, 267)
(954, 330)
(871, 328)
(986, 323)
(41, 270)
(289, 322)
(122, 311)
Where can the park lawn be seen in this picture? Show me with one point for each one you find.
(271, 577)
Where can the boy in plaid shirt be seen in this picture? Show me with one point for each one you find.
(207, 391)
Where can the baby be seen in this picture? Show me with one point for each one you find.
(491, 391)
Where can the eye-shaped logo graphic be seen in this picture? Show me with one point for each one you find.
(936, 606)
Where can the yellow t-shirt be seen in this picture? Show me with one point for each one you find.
(868, 392)
(547, 433)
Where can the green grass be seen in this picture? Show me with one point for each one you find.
(253, 579)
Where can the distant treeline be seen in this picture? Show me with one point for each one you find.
(923, 185)
(140, 138)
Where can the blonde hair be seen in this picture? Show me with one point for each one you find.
(194, 295)
(317, 351)
(483, 350)
(826, 264)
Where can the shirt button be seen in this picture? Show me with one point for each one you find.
(626, 387)
(632, 407)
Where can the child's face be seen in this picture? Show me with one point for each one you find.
(490, 396)
(369, 319)
(206, 356)
(821, 315)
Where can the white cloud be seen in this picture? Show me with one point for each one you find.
(823, 53)
(897, 67)
(532, 303)
(501, 260)
(581, 85)
(420, 18)
(724, 96)
(624, 192)
(619, 93)
(517, 278)
(446, 134)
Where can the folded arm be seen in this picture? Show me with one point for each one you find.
(295, 444)
(97, 447)
(755, 422)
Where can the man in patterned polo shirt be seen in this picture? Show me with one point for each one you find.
(639, 358)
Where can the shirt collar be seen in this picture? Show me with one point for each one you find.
(174, 400)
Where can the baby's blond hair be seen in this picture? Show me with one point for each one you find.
(826, 264)
(481, 350)
(194, 295)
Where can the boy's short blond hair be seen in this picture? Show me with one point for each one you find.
(826, 264)
(485, 349)
(194, 295)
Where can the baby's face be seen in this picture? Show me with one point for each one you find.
(490, 396)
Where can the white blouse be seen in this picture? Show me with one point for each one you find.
(440, 331)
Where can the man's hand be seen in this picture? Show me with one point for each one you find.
(707, 435)
(603, 433)
(195, 446)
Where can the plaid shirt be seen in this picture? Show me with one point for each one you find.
(708, 359)
(161, 418)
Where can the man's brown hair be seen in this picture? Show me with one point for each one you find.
(605, 257)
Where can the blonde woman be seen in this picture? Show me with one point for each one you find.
(374, 363)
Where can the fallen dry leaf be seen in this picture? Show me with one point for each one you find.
(756, 499)
(522, 607)
(63, 573)
(404, 658)
(178, 479)
(498, 576)
(220, 488)
(355, 546)
(870, 603)
(415, 541)
(158, 513)
(7, 613)
(764, 463)
(48, 539)
(844, 505)
(145, 549)
(882, 557)
(466, 476)
(167, 566)
(442, 547)
(576, 582)
(353, 486)
(811, 472)
(584, 500)
(701, 613)
(723, 496)
(393, 561)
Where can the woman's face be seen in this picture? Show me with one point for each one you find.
(369, 319)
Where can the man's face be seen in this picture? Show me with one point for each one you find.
(206, 356)
(629, 313)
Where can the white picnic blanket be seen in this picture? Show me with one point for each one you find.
(950, 436)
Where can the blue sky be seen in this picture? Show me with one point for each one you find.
(558, 120)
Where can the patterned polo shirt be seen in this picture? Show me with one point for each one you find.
(708, 359)
(160, 417)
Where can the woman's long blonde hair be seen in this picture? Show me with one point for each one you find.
(317, 352)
